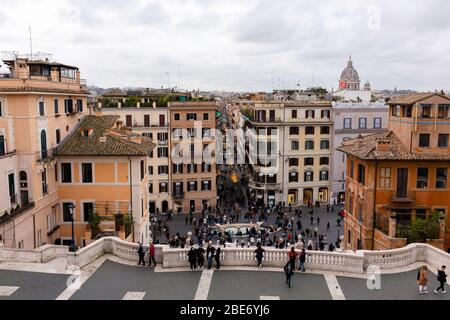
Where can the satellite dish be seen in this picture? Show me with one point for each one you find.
(4, 69)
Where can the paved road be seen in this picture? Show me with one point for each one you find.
(113, 281)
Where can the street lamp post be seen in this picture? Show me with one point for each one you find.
(73, 247)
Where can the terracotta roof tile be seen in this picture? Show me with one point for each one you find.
(414, 97)
(117, 142)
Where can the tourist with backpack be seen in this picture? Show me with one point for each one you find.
(422, 279)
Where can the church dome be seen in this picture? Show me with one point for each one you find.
(350, 74)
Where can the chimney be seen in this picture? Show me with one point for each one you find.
(102, 139)
(383, 145)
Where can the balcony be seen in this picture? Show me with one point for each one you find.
(162, 142)
(268, 120)
(178, 194)
(264, 186)
(408, 198)
(44, 155)
(7, 154)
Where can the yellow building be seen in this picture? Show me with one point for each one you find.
(41, 101)
(102, 170)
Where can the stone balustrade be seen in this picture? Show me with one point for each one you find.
(350, 262)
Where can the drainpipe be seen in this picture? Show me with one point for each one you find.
(34, 230)
(131, 196)
(374, 206)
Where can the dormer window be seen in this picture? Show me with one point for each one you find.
(87, 132)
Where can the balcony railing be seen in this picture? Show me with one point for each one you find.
(265, 186)
(409, 197)
(178, 194)
(44, 155)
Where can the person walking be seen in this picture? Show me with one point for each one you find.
(302, 260)
(442, 278)
(288, 272)
(292, 257)
(192, 258)
(151, 254)
(318, 220)
(259, 255)
(217, 257)
(210, 251)
(328, 226)
(312, 220)
(422, 279)
(200, 256)
(331, 247)
(141, 254)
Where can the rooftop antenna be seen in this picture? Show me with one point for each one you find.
(31, 42)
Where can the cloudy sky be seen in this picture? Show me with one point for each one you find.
(238, 45)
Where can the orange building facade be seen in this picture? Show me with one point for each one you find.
(399, 176)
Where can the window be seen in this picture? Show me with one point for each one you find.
(44, 182)
(424, 140)
(310, 114)
(293, 177)
(146, 120)
(309, 176)
(68, 106)
(56, 106)
(324, 161)
(325, 114)
(206, 185)
(66, 172)
(163, 187)
(407, 111)
(324, 145)
(295, 145)
(422, 178)
(2, 145)
(163, 152)
(68, 73)
(425, 111)
(80, 105)
(58, 136)
(361, 174)
(205, 116)
(324, 175)
(309, 130)
(191, 116)
(150, 188)
(377, 123)
(176, 117)
(293, 162)
(1, 109)
(163, 136)
(41, 108)
(206, 167)
(362, 123)
(142, 170)
(88, 210)
(294, 114)
(21, 244)
(150, 170)
(395, 111)
(294, 130)
(325, 130)
(385, 178)
(441, 178)
(192, 186)
(163, 169)
(442, 111)
(347, 123)
(86, 172)
(309, 145)
(443, 140)
(178, 168)
(352, 167)
(271, 115)
(206, 132)
(66, 212)
(309, 161)
(192, 168)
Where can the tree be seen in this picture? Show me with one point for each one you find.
(128, 222)
(420, 229)
(94, 222)
(247, 112)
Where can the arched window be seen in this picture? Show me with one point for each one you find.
(23, 176)
(43, 144)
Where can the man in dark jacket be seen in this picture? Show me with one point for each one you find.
(192, 258)
(210, 252)
(200, 256)
(442, 278)
(288, 272)
(302, 260)
(141, 254)
(217, 257)
(259, 254)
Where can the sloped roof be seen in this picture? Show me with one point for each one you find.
(365, 148)
(414, 97)
(117, 142)
(26, 89)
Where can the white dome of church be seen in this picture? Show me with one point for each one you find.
(349, 78)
